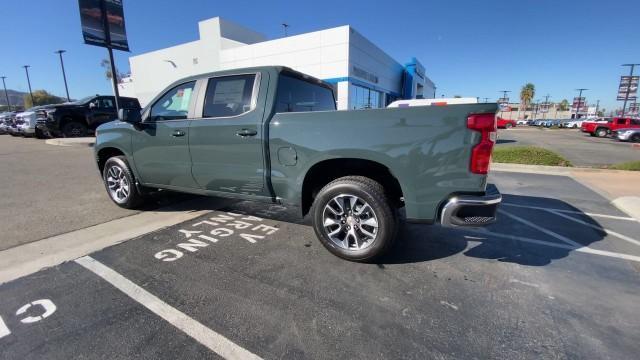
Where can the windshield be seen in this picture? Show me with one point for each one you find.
(84, 100)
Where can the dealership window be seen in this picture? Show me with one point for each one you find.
(297, 95)
(365, 98)
(174, 104)
(229, 96)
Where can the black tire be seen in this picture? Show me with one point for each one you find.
(40, 134)
(374, 195)
(635, 138)
(133, 198)
(508, 126)
(74, 129)
(601, 132)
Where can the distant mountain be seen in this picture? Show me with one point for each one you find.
(16, 97)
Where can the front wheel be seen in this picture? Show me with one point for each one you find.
(508, 126)
(635, 138)
(74, 129)
(352, 218)
(120, 183)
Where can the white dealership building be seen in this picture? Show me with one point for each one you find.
(363, 75)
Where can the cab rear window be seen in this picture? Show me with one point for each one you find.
(297, 95)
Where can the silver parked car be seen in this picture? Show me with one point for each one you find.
(26, 121)
(632, 135)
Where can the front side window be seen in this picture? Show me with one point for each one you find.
(174, 104)
(229, 96)
(296, 95)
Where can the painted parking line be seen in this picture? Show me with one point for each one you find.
(582, 249)
(570, 211)
(207, 337)
(608, 231)
(541, 229)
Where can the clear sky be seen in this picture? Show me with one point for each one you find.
(469, 47)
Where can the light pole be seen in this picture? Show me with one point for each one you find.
(597, 107)
(626, 96)
(64, 76)
(26, 70)
(6, 95)
(579, 102)
(504, 97)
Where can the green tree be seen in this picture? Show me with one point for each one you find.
(527, 93)
(563, 105)
(601, 112)
(41, 97)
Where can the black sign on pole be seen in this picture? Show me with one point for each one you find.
(103, 25)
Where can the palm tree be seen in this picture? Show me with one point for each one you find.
(527, 93)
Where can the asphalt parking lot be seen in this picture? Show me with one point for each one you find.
(555, 278)
(51, 190)
(574, 145)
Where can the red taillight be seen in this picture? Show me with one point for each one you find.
(481, 153)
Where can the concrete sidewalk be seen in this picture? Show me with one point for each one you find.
(621, 187)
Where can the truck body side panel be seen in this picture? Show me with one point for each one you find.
(427, 149)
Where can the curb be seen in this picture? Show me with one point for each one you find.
(551, 170)
(80, 142)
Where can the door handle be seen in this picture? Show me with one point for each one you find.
(246, 132)
(178, 133)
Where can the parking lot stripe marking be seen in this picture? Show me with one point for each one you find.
(571, 212)
(610, 232)
(207, 337)
(582, 249)
(541, 229)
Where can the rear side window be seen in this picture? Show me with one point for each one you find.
(296, 95)
(229, 96)
(174, 104)
(622, 121)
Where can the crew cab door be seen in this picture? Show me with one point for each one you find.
(161, 143)
(226, 139)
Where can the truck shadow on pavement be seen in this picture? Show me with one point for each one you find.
(508, 240)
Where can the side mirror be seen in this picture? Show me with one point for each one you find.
(131, 116)
(93, 105)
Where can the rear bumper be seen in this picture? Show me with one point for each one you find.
(471, 210)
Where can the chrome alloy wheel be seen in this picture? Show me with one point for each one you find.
(119, 187)
(350, 222)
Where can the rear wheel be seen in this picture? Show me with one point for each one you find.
(508, 126)
(120, 183)
(352, 218)
(635, 138)
(601, 132)
(74, 129)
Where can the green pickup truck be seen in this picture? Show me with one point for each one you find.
(272, 134)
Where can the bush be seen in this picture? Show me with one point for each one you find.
(528, 155)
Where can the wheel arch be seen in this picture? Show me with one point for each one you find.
(325, 171)
(106, 152)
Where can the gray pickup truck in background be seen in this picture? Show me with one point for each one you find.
(272, 134)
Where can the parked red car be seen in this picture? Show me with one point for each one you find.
(505, 124)
(604, 127)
